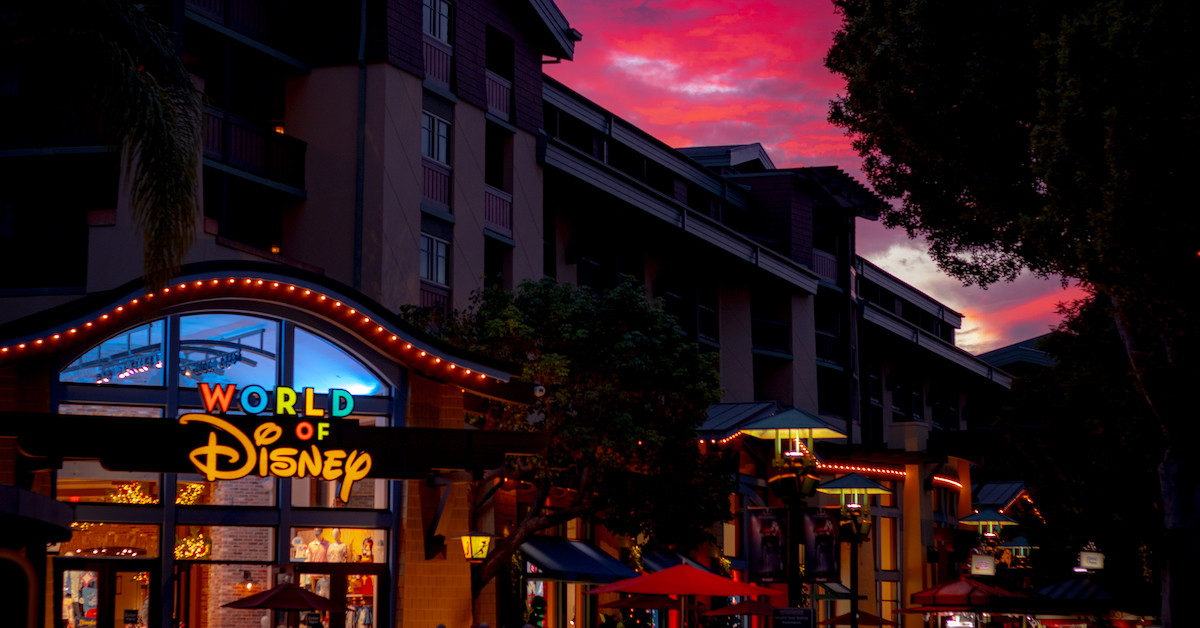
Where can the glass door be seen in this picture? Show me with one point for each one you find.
(104, 594)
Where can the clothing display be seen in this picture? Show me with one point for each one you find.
(338, 552)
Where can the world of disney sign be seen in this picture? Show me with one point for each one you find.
(301, 450)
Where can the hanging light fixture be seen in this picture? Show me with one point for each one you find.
(476, 546)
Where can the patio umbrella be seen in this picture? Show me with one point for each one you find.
(864, 619)
(749, 607)
(660, 602)
(684, 580)
(287, 597)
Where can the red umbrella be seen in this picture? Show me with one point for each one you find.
(964, 592)
(287, 597)
(864, 619)
(644, 601)
(684, 580)
(749, 607)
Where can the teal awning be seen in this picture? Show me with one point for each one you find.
(572, 561)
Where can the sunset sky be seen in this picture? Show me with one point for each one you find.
(711, 72)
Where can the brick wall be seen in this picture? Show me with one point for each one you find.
(404, 36)
(436, 591)
(248, 491)
(222, 584)
(431, 404)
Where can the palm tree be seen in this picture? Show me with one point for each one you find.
(125, 64)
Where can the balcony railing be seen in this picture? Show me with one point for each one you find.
(260, 20)
(829, 347)
(435, 182)
(252, 148)
(497, 210)
(435, 296)
(499, 95)
(771, 335)
(438, 55)
(826, 265)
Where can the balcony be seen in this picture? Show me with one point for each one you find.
(826, 265)
(497, 210)
(770, 336)
(254, 149)
(438, 55)
(260, 20)
(435, 183)
(499, 95)
(829, 348)
(435, 296)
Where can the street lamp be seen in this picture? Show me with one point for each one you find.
(857, 487)
(476, 546)
(989, 518)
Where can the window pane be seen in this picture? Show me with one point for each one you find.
(367, 494)
(427, 135)
(252, 490)
(887, 543)
(133, 358)
(338, 545)
(321, 365)
(227, 349)
(111, 540)
(228, 543)
(87, 481)
(96, 409)
(206, 588)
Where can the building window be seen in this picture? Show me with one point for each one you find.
(888, 543)
(433, 259)
(436, 17)
(889, 598)
(435, 138)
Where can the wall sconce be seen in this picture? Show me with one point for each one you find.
(476, 546)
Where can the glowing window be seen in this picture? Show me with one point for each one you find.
(133, 357)
(227, 349)
(321, 365)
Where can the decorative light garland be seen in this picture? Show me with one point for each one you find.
(188, 494)
(131, 493)
(193, 547)
(947, 482)
(296, 292)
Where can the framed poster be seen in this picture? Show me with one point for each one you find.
(821, 551)
(768, 544)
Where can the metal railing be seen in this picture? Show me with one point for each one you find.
(771, 335)
(438, 55)
(826, 265)
(435, 297)
(435, 182)
(253, 148)
(499, 95)
(497, 209)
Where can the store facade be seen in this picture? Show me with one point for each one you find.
(244, 427)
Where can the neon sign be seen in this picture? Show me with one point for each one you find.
(253, 453)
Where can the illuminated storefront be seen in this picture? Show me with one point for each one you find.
(228, 434)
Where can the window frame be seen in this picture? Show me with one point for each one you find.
(435, 138)
(430, 257)
(437, 20)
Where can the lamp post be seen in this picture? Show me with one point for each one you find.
(857, 488)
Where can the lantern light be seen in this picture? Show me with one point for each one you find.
(476, 546)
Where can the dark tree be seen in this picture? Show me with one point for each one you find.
(1087, 445)
(625, 393)
(1055, 136)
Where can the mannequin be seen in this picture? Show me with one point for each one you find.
(338, 552)
(316, 549)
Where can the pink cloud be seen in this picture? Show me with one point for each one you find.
(711, 72)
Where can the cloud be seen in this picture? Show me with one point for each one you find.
(713, 72)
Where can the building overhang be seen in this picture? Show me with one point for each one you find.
(80, 324)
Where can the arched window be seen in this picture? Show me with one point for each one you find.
(132, 358)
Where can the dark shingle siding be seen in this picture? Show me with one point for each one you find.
(404, 47)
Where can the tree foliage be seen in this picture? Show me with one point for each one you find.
(1055, 136)
(625, 393)
(1086, 444)
(115, 61)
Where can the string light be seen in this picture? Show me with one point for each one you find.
(155, 363)
(945, 481)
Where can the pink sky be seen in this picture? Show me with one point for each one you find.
(711, 72)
